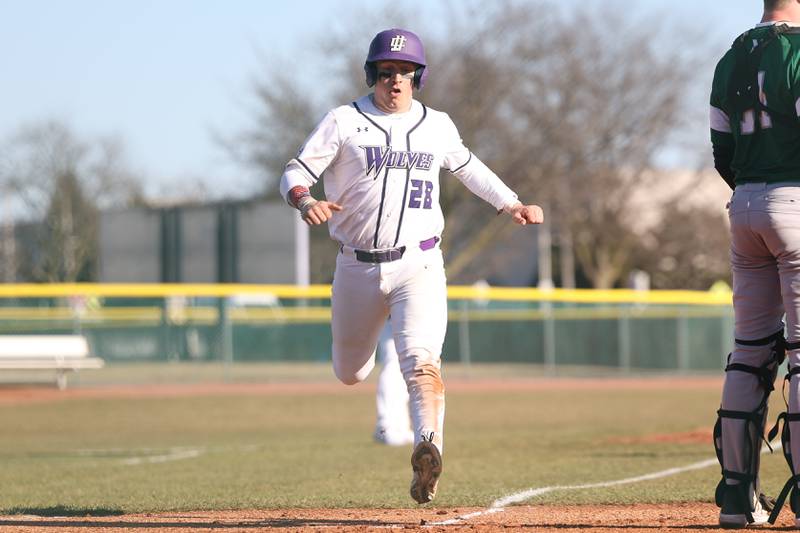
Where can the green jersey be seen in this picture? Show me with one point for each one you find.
(760, 127)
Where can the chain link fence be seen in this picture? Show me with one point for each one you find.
(617, 329)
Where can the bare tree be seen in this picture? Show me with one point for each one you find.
(286, 102)
(571, 110)
(281, 118)
(691, 254)
(578, 121)
(60, 182)
(8, 249)
(282, 115)
(68, 235)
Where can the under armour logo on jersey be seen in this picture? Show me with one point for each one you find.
(376, 158)
(397, 43)
(359, 129)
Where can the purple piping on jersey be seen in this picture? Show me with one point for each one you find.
(465, 164)
(386, 133)
(316, 178)
(408, 173)
(380, 208)
(385, 176)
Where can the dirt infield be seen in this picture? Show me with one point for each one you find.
(638, 518)
(27, 393)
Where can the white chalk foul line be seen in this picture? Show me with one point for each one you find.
(175, 454)
(519, 497)
(140, 456)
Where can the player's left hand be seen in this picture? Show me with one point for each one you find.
(526, 214)
(318, 212)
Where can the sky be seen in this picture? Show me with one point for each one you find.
(169, 77)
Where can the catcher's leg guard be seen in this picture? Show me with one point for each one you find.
(791, 487)
(741, 486)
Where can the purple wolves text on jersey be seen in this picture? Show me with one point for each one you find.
(379, 157)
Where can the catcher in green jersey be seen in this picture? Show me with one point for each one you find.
(755, 133)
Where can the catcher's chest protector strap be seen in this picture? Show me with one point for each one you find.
(743, 86)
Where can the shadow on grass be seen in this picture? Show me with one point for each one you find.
(60, 510)
(238, 525)
(293, 524)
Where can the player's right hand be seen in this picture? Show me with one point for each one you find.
(319, 212)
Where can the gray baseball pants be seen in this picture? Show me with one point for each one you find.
(765, 259)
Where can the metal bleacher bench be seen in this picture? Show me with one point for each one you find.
(62, 353)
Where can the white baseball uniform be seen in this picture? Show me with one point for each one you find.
(383, 169)
(392, 423)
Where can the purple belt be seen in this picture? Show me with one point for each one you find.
(392, 254)
(427, 244)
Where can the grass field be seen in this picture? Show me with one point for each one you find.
(312, 447)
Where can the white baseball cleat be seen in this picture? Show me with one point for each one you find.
(732, 516)
(393, 437)
(427, 464)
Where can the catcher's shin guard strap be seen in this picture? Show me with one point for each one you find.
(741, 491)
(751, 436)
(756, 417)
(750, 442)
(745, 479)
(789, 488)
(752, 416)
(786, 416)
(777, 357)
(787, 378)
(777, 336)
(791, 485)
(765, 374)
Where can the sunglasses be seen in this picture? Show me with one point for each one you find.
(390, 74)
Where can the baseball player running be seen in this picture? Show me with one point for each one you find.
(393, 424)
(755, 133)
(379, 158)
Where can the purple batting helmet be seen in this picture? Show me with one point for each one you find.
(396, 45)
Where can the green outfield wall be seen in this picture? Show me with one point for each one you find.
(622, 329)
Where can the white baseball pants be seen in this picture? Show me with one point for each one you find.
(413, 290)
(391, 398)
